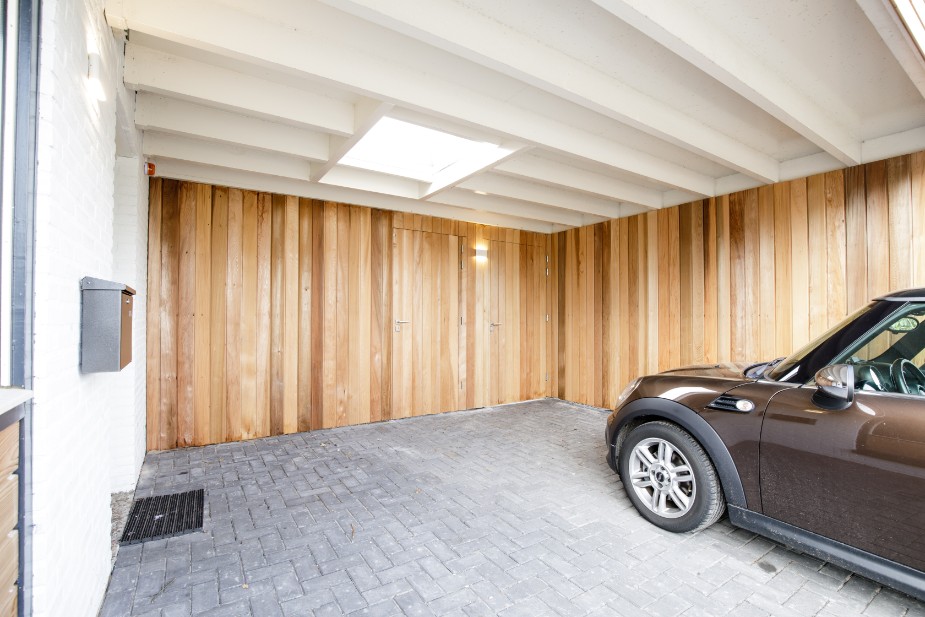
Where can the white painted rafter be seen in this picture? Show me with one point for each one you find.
(889, 26)
(454, 28)
(681, 29)
(351, 182)
(214, 174)
(467, 199)
(150, 70)
(305, 48)
(245, 159)
(514, 188)
(179, 117)
(543, 170)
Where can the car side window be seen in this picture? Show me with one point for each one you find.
(891, 358)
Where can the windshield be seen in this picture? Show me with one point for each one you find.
(801, 366)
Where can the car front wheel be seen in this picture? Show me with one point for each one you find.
(669, 478)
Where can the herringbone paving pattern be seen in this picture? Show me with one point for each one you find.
(505, 511)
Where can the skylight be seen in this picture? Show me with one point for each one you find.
(403, 149)
(912, 13)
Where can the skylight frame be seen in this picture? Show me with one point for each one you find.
(407, 150)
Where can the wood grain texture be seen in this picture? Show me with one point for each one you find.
(202, 350)
(217, 323)
(186, 317)
(152, 321)
(169, 300)
(248, 338)
(288, 322)
(744, 277)
(233, 314)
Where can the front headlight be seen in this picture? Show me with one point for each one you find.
(628, 390)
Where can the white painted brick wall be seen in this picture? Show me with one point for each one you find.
(85, 442)
(130, 238)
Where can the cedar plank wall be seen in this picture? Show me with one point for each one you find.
(272, 314)
(747, 276)
(744, 277)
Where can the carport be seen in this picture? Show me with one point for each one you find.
(340, 220)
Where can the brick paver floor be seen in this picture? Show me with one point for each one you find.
(501, 511)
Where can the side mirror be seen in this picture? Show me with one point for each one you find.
(835, 386)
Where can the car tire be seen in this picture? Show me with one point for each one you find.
(669, 478)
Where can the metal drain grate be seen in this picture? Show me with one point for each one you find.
(153, 518)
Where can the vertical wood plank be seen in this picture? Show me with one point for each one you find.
(304, 324)
(170, 247)
(697, 282)
(264, 232)
(738, 283)
(855, 236)
(377, 324)
(836, 246)
(329, 329)
(277, 311)
(685, 286)
(723, 280)
(710, 283)
(783, 341)
(917, 176)
(249, 316)
(878, 231)
(899, 195)
(799, 246)
(218, 319)
(202, 398)
(752, 276)
(152, 322)
(818, 280)
(341, 331)
(233, 310)
(319, 318)
(186, 313)
(766, 274)
(290, 343)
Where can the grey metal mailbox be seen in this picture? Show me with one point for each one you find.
(105, 325)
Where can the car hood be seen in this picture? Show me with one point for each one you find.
(725, 370)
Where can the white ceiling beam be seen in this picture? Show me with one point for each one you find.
(154, 71)
(245, 159)
(211, 174)
(367, 112)
(373, 182)
(304, 46)
(512, 207)
(178, 117)
(550, 172)
(465, 169)
(507, 186)
(462, 31)
(905, 142)
(889, 26)
(678, 27)
(291, 180)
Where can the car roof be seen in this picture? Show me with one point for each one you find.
(905, 295)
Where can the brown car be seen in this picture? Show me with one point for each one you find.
(823, 451)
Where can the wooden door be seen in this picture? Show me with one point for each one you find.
(517, 322)
(425, 323)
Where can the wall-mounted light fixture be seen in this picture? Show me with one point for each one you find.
(93, 77)
(481, 254)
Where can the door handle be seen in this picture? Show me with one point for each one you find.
(493, 325)
(398, 323)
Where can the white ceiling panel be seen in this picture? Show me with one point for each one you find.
(610, 107)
